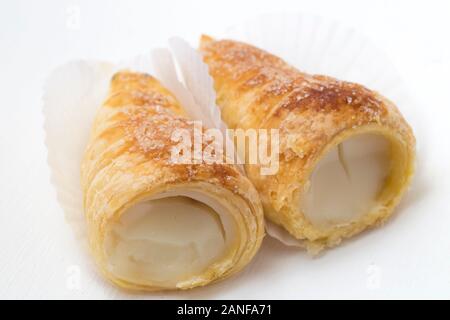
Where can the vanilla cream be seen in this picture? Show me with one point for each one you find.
(169, 239)
(346, 182)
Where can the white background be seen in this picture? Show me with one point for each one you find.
(39, 258)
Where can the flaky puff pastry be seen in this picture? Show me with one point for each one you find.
(154, 224)
(359, 138)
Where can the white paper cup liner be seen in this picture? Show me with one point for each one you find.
(76, 90)
(318, 45)
(72, 95)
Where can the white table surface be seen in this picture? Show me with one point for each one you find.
(39, 257)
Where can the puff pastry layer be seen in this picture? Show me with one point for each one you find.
(346, 153)
(154, 224)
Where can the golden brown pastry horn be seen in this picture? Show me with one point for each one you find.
(358, 137)
(154, 224)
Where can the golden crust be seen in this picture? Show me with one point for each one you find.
(128, 159)
(313, 113)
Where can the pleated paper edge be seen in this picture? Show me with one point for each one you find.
(319, 45)
(74, 92)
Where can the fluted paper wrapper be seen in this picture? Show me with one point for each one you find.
(75, 91)
(318, 45)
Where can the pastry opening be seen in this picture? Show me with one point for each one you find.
(349, 181)
(168, 239)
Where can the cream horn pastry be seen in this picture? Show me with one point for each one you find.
(346, 154)
(154, 224)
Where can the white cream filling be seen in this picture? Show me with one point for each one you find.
(169, 238)
(346, 182)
